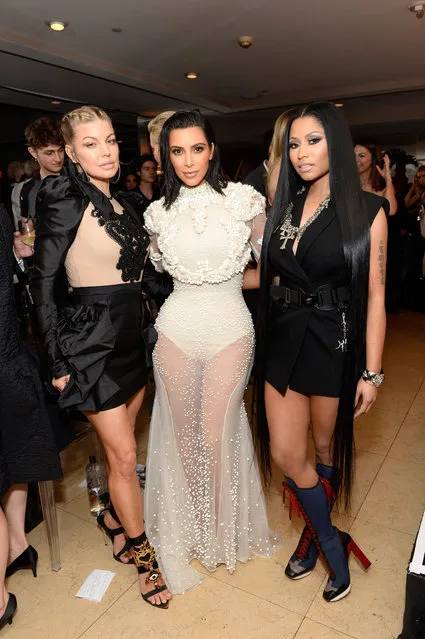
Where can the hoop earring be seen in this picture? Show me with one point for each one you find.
(119, 175)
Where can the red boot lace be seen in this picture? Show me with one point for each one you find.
(304, 543)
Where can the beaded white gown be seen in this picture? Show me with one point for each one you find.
(203, 496)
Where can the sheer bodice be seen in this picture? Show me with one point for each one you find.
(93, 256)
(203, 494)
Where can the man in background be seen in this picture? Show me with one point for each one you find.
(45, 145)
(258, 177)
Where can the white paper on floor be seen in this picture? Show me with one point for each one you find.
(96, 584)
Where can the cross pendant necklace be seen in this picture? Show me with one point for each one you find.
(290, 232)
(287, 231)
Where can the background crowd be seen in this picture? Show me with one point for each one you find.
(392, 173)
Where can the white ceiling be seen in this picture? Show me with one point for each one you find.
(303, 50)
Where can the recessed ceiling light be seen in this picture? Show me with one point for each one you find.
(192, 75)
(339, 104)
(57, 25)
(245, 42)
(55, 101)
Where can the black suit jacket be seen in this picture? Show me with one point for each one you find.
(28, 197)
(258, 179)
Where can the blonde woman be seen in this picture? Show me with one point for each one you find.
(276, 150)
(93, 339)
(155, 128)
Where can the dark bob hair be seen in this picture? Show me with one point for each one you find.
(134, 174)
(349, 203)
(215, 176)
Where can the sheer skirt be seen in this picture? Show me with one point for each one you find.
(204, 497)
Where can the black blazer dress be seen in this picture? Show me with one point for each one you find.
(304, 343)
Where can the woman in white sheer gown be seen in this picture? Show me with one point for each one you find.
(203, 498)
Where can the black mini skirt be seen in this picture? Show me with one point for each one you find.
(100, 335)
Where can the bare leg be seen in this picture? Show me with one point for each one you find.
(115, 429)
(14, 506)
(323, 418)
(4, 553)
(289, 418)
(133, 406)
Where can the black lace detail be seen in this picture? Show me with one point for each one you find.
(132, 239)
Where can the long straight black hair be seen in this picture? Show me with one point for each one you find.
(348, 200)
(215, 176)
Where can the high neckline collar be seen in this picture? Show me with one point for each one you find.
(202, 189)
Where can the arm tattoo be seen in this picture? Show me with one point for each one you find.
(381, 262)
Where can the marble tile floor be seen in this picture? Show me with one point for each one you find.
(258, 601)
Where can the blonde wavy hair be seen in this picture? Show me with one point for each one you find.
(155, 126)
(80, 116)
(276, 147)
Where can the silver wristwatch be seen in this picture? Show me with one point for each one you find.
(374, 379)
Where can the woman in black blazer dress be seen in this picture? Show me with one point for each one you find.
(322, 325)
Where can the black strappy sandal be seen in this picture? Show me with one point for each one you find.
(146, 563)
(114, 532)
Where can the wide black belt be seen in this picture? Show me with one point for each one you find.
(324, 298)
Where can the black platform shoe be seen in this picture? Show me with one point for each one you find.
(27, 559)
(334, 546)
(9, 612)
(304, 559)
(349, 545)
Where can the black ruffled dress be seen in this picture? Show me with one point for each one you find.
(94, 332)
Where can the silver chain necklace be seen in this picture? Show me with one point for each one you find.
(290, 232)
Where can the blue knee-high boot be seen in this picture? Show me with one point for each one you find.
(313, 505)
(305, 556)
